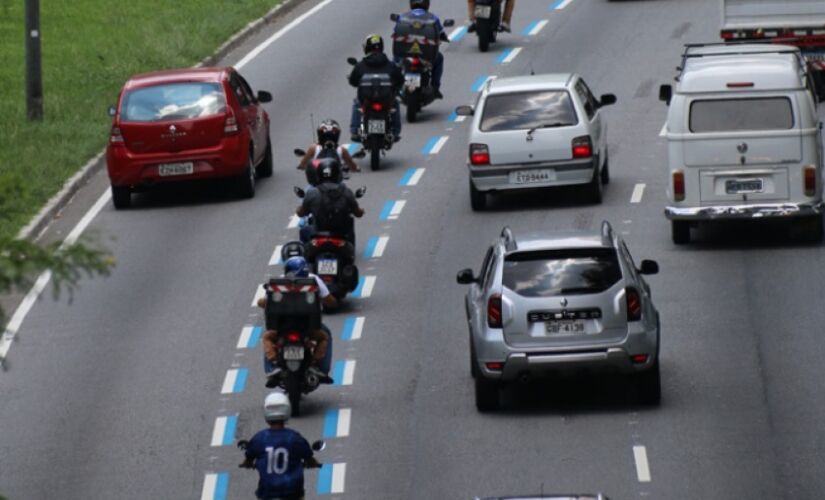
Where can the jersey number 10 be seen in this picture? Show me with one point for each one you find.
(276, 460)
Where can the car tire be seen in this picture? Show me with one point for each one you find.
(473, 360)
(478, 199)
(649, 385)
(595, 189)
(487, 395)
(121, 197)
(606, 170)
(812, 227)
(264, 169)
(246, 181)
(680, 232)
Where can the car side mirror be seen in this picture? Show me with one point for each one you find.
(264, 96)
(649, 267)
(465, 277)
(607, 100)
(112, 111)
(299, 192)
(666, 93)
(319, 445)
(352, 61)
(464, 111)
(394, 17)
(360, 192)
(448, 23)
(300, 153)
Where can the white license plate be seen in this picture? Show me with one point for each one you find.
(743, 186)
(294, 353)
(532, 176)
(176, 169)
(484, 11)
(413, 80)
(376, 127)
(328, 267)
(565, 327)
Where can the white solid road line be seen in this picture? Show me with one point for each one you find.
(283, 31)
(638, 192)
(642, 467)
(28, 302)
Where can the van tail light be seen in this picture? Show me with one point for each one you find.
(116, 137)
(634, 304)
(479, 154)
(494, 311)
(582, 147)
(810, 180)
(678, 186)
(293, 337)
(230, 125)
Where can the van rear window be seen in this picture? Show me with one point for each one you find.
(733, 115)
(178, 101)
(561, 272)
(526, 110)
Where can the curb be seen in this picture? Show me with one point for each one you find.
(38, 224)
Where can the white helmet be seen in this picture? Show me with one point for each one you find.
(277, 407)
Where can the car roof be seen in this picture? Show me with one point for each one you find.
(711, 69)
(548, 81)
(176, 76)
(560, 240)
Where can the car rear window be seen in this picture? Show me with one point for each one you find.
(526, 110)
(561, 272)
(175, 101)
(732, 115)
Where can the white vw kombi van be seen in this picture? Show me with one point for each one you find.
(743, 138)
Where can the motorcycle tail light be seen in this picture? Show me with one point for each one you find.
(494, 311)
(415, 62)
(377, 107)
(293, 337)
(634, 304)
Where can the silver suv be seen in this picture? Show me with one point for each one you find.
(560, 302)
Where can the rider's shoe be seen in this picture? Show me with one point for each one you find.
(505, 27)
(471, 28)
(273, 377)
(356, 137)
(437, 94)
(322, 377)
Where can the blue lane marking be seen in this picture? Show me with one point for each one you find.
(349, 327)
(479, 83)
(338, 371)
(459, 34)
(240, 381)
(430, 145)
(222, 486)
(453, 117)
(360, 288)
(526, 31)
(325, 480)
(229, 430)
(255, 337)
(385, 213)
(556, 4)
(331, 424)
(504, 55)
(371, 247)
(407, 176)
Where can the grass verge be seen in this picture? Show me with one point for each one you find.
(89, 48)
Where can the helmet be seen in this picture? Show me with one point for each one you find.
(420, 4)
(329, 170)
(296, 267)
(277, 407)
(329, 131)
(373, 43)
(292, 249)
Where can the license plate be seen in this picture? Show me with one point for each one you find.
(413, 80)
(565, 327)
(484, 11)
(294, 353)
(741, 186)
(376, 127)
(328, 267)
(167, 169)
(532, 176)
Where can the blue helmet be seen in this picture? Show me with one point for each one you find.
(296, 267)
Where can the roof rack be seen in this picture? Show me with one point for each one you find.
(686, 54)
(509, 239)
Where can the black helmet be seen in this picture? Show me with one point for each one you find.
(329, 131)
(420, 4)
(292, 249)
(373, 43)
(329, 170)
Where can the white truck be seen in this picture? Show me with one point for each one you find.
(788, 22)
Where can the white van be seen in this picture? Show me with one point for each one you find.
(743, 138)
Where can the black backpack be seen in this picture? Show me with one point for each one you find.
(334, 212)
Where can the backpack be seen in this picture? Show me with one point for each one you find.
(333, 215)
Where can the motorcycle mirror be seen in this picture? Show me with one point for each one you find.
(448, 23)
(360, 192)
(299, 152)
(352, 61)
(464, 111)
(319, 445)
(299, 192)
(112, 111)
(264, 96)
(394, 17)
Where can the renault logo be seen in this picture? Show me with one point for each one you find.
(742, 148)
(564, 302)
(173, 133)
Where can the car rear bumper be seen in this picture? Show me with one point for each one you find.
(751, 211)
(568, 173)
(530, 365)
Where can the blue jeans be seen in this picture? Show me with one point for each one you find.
(355, 120)
(325, 365)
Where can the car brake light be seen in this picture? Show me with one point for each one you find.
(678, 186)
(634, 304)
(479, 154)
(116, 137)
(639, 358)
(740, 85)
(494, 311)
(293, 337)
(582, 147)
(377, 107)
(495, 366)
(810, 180)
(727, 35)
(230, 125)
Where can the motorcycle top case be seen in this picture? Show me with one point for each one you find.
(415, 35)
(375, 87)
(293, 300)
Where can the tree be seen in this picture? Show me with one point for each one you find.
(22, 261)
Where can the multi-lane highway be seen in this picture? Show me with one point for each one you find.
(140, 387)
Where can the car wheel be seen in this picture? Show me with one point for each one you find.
(810, 228)
(121, 197)
(246, 181)
(606, 169)
(264, 169)
(478, 199)
(680, 230)
(487, 397)
(595, 189)
(649, 385)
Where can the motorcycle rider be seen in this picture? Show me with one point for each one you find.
(328, 133)
(279, 454)
(506, 18)
(376, 62)
(420, 9)
(331, 203)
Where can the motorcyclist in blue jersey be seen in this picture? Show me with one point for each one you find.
(279, 454)
(421, 9)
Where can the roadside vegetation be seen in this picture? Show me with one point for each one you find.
(89, 49)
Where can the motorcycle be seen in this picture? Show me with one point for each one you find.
(488, 22)
(377, 102)
(243, 444)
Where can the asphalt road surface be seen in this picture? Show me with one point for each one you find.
(140, 387)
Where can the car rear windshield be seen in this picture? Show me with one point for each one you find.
(561, 272)
(175, 101)
(732, 115)
(526, 110)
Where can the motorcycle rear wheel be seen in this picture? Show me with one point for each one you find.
(413, 107)
(484, 29)
(293, 391)
(375, 143)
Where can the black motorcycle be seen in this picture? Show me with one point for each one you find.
(488, 22)
(377, 101)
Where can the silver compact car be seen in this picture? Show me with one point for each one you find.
(560, 302)
(537, 131)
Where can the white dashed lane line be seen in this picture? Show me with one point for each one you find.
(259, 294)
(235, 381)
(293, 222)
(224, 432)
(642, 466)
(508, 55)
(276, 256)
(638, 192)
(663, 132)
(215, 486)
(534, 28)
(331, 479)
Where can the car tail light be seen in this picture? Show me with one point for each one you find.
(495, 366)
(678, 186)
(230, 125)
(810, 180)
(377, 107)
(639, 358)
(293, 337)
(582, 147)
(479, 154)
(494, 311)
(727, 35)
(634, 304)
(116, 137)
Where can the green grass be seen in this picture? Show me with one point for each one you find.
(90, 47)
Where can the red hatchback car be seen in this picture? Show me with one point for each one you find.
(188, 124)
